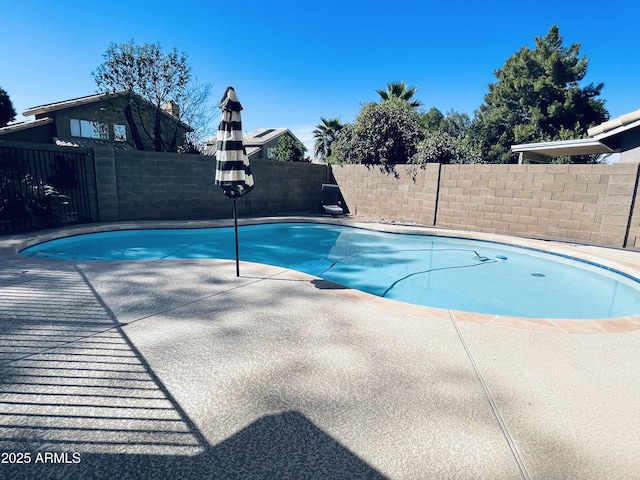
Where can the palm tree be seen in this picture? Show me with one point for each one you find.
(399, 90)
(324, 135)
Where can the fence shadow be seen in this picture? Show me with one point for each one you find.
(80, 399)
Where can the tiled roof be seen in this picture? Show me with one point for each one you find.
(262, 136)
(258, 137)
(253, 141)
(622, 121)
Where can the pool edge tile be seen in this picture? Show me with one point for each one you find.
(534, 324)
(422, 311)
(619, 325)
(579, 326)
(472, 317)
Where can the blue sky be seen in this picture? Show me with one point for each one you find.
(292, 63)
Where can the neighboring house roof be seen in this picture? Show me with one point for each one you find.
(98, 97)
(46, 114)
(253, 141)
(624, 121)
(74, 102)
(604, 138)
(611, 133)
(263, 136)
(15, 127)
(582, 146)
(250, 150)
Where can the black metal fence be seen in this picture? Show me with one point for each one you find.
(45, 187)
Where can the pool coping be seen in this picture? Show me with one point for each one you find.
(624, 261)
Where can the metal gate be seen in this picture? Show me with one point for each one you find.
(45, 187)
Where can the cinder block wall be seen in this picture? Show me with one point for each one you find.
(161, 186)
(589, 203)
(617, 218)
(408, 197)
(633, 236)
(586, 203)
(136, 185)
(285, 187)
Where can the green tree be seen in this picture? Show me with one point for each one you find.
(446, 139)
(341, 146)
(432, 120)
(384, 134)
(324, 135)
(441, 147)
(146, 72)
(288, 150)
(7, 112)
(538, 97)
(401, 91)
(454, 123)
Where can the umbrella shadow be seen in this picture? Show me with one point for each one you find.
(327, 285)
(284, 445)
(319, 283)
(79, 400)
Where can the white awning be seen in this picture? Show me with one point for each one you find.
(544, 151)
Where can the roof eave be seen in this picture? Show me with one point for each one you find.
(624, 122)
(617, 131)
(92, 99)
(585, 146)
(16, 127)
(51, 107)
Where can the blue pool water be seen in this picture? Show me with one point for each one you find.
(443, 272)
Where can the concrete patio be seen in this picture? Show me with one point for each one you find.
(180, 370)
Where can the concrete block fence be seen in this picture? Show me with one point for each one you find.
(583, 203)
(163, 186)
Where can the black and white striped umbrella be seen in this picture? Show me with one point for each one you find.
(233, 172)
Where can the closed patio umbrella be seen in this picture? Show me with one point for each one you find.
(233, 172)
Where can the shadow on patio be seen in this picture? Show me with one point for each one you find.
(72, 382)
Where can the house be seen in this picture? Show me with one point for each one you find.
(98, 120)
(620, 135)
(259, 144)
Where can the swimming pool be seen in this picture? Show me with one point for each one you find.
(443, 272)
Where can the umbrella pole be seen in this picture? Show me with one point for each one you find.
(235, 228)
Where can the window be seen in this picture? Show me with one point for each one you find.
(87, 129)
(120, 133)
(75, 128)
